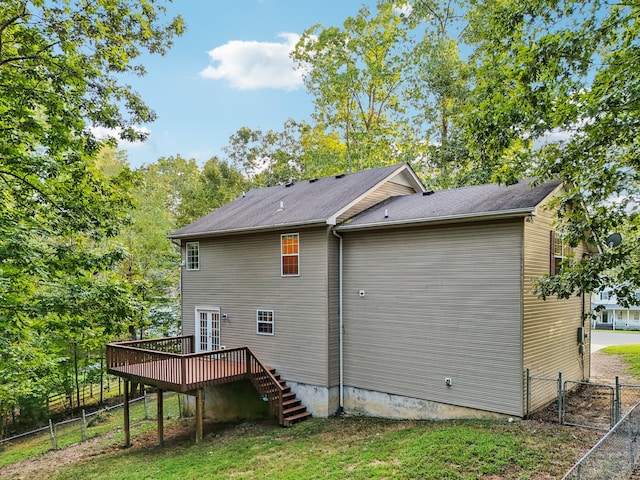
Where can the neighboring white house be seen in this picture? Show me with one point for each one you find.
(609, 315)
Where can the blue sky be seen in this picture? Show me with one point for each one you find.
(201, 100)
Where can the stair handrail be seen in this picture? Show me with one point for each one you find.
(266, 392)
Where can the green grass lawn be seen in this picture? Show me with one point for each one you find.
(100, 424)
(630, 354)
(337, 448)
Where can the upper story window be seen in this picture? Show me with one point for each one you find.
(289, 255)
(193, 256)
(605, 295)
(560, 253)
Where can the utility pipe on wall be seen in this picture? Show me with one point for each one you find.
(341, 363)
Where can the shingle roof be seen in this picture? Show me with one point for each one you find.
(459, 203)
(303, 203)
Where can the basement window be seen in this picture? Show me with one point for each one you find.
(193, 256)
(289, 255)
(264, 320)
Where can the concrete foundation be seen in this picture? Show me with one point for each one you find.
(377, 404)
(320, 401)
(230, 402)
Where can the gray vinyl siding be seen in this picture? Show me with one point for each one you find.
(550, 327)
(438, 302)
(241, 274)
(389, 189)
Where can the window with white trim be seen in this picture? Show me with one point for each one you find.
(264, 322)
(561, 253)
(289, 255)
(192, 259)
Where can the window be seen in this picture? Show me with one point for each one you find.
(560, 253)
(264, 322)
(193, 256)
(606, 295)
(636, 315)
(289, 254)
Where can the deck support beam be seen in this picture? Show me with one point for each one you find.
(160, 417)
(127, 431)
(199, 412)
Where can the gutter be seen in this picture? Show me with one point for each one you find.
(515, 213)
(341, 323)
(233, 231)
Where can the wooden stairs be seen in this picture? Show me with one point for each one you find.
(292, 409)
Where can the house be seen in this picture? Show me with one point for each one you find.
(371, 295)
(610, 315)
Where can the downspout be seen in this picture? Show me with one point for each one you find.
(178, 243)
(341, 323)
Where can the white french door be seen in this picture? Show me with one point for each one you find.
(207, 329)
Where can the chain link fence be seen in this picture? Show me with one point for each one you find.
(74, 430)
(615, 456)
(576, 403)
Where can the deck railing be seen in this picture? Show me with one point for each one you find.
(266, 384)
(182, 344)
(170, 364)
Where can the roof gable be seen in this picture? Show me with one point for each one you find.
(309, 202)
(491, 200)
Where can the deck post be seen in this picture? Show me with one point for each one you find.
(160, 417)
(199, 415)
(127, 431)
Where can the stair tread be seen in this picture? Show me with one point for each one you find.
(300, 416)
(291, 410)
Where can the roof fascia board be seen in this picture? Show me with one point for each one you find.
(237, 231)
(515, 213)
(403, 168)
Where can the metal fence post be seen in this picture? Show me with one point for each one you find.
(631, 442)
(84, 426)
(146, 407)
(560, 399)
(617, 401)
(54, 443)
(528, 393)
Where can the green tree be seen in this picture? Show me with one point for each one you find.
(356, 75)
(217, 184)
(437, 88)
(59, 68)
(566, 68)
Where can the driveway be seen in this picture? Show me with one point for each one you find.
(606, 338)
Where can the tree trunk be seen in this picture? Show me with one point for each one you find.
(75, 368)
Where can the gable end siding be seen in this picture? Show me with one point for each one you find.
(389, 189)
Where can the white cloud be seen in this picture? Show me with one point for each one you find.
(104, 132)
(251, 65)
(403, 10)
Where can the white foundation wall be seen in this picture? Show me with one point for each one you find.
(320, 401)
(358, 401)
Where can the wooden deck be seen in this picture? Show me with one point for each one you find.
(171, 364)
(182, 373)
